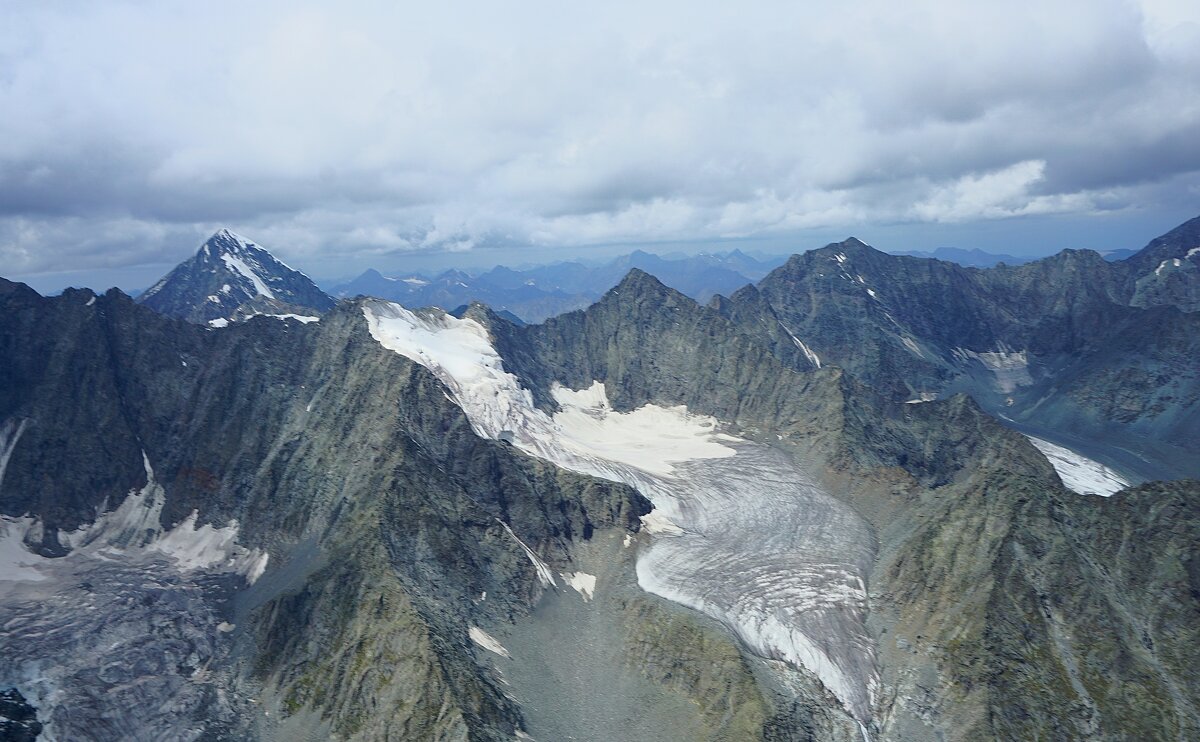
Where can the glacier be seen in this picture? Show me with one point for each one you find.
(114, 639)
(739, 531)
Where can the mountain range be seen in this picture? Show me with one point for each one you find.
(535, 294)
(856, 499)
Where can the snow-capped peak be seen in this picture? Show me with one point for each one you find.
(231, 277)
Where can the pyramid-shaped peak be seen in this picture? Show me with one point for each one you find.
(851, 243)
(225, 240)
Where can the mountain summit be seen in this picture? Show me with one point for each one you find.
(230, 278)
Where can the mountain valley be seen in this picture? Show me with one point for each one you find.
(854, 496)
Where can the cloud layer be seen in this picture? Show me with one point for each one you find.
(131, 129)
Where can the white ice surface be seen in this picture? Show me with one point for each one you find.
(1079, 473)
(17, 564)
(218, 322)
(237, 265)
(739, 532)
(132, 531)
(298, 317)
(487, 641)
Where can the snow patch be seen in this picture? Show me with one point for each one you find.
(808, 353)
(651, 438)
(656, 522)
(90, 302)
(415, 281)
(911, 345)
(1079, 473)
(1172, 262)
(238, 265)
(487, 641)
(218, 322)
(10, 433)
(1009, 367)
(298, 317)
(922, 397)
(545, 576)
(582, 583)
(133, 530)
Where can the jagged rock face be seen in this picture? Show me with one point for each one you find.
(18, 720)
(1007, 612)
(385, 518)
(1167, 271)
(1000, 605)
(231, 278)
(1060, 344)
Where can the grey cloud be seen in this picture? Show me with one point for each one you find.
(342, 136)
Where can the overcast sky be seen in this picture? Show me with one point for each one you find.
(380, 135)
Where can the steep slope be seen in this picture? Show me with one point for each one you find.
(231, 278)
(420, 580)
(1167, 271)
(381, 518)
(964, 510)
(1053, 345)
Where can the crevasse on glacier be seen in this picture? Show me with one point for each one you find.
(739, 531)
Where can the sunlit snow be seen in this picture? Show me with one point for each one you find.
(132, 530)
(738, 531)
(487, 641)
(238, 265)
(1079, 473)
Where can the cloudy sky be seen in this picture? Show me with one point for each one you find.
(398, 134)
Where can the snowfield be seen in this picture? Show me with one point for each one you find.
(739, 532)
(1079, 473)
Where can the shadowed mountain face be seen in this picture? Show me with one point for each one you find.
(229, 279)
(1068, 343)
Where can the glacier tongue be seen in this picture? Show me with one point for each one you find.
(742, 534)
(114, 639)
